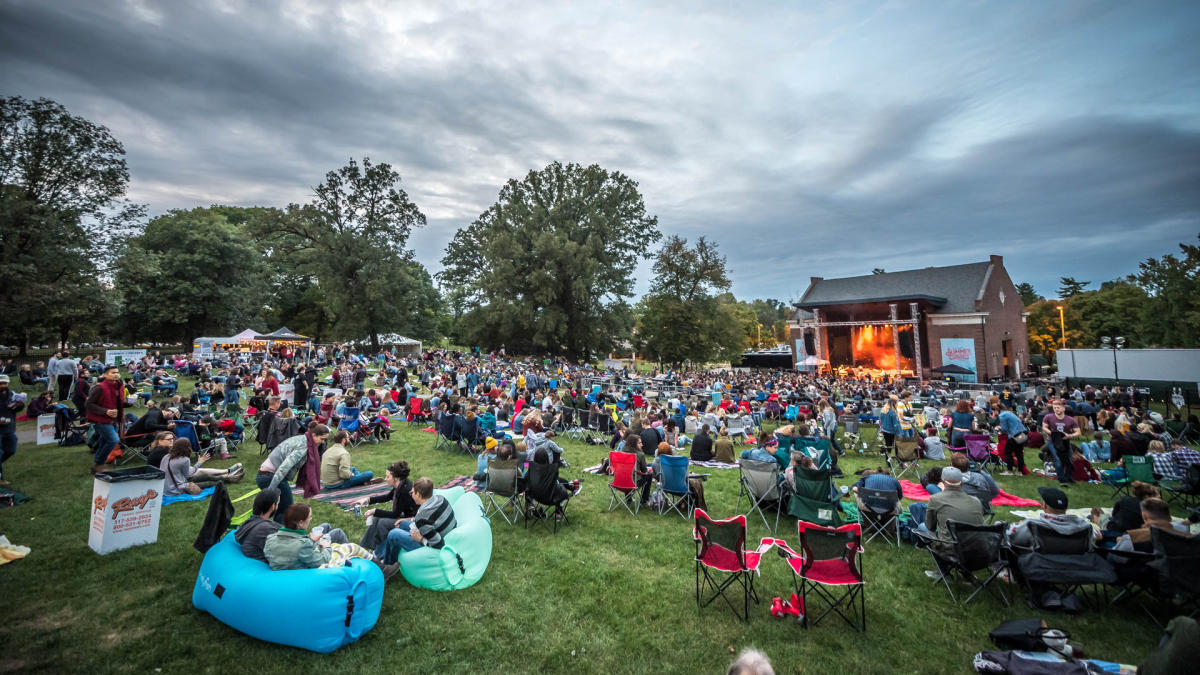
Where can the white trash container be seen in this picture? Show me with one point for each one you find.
(125, 508)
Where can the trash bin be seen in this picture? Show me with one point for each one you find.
(125, 508)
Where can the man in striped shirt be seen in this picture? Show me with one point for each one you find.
(433, 521)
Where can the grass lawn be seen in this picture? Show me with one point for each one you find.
(610, 593)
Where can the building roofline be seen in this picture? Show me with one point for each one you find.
(933, 299)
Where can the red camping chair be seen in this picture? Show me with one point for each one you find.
(624, 485)
(638, 401)
(830, 559)
(720, 547)
(415, 414)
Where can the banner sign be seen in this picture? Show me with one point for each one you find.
(960, 352)
(120, 357)
(45, 429)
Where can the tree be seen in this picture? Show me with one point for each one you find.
(1172, 310)
(1028, 294)
(352, 241)
(190, 273)
(1117, 308)
(1069, 287)
(549, 267)
(681, 318)
(62, 179)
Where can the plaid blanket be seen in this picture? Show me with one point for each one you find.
(466, 482)
(346, 498)
(713, 464)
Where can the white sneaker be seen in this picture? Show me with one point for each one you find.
(934, 574)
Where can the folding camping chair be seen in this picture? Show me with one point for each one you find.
(759, 483)
(538, 506)
(1063, 561)
(979, 451)
(817, 449)
(975, 548)
(720, 548)
(415, 412)
(880, 515)
(624, 485)
(446, 426)
(673, 486)
(1185, 491)
(502, 491)
(906, 455)
(1178, 568)
(351, 424)
(830, 558)
(812, 499)
(1137, 468)
(736, 424)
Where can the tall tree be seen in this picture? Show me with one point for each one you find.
(1172, 310)
(352, 239)
(1028, 294)
(62, 182)
(549, 267)
(1069, 286)
(681, 318)
(190, 273)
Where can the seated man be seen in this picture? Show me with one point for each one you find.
(433, 521)
(1054, 515)
(978, 484)
(702, 445)
(877, 479)
(336, 471)
(252, 534)
(951, 503)
(141, 432)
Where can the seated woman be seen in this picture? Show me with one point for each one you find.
(380, 521)
(1098, 449)
(40, 405)
(932, 480)
(489, 452)
(1082, 469)
(799, 460)
(934, 447)
(1165, 467)
(293, 548)
(762, 452)
(184, 478)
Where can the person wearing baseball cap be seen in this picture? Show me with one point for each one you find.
(949, 504)
(1053, 515)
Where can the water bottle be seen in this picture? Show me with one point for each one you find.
(357, 511)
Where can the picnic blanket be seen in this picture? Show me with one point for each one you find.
(10, 551)
(346, 498)
(711, 464)
(920, 494)
(204, 494)
(465, 482)
(430, 430)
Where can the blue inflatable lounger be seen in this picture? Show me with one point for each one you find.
(340, 604)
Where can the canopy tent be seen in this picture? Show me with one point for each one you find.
(284, 335)
(402, 344)
(247, 335)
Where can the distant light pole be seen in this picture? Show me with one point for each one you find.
(1114, 343)
(1062, 322)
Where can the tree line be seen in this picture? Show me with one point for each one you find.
(549, 268)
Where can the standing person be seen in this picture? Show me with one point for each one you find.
(1016, 438)
(64, 373)
(8, 424)
(1060, 428)
(300, 389)
(105, 408)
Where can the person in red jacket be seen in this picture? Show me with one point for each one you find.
(105, 410)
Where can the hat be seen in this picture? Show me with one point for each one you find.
(1053, 497)
(489, 443)
(4, 379)
(173, 411)
(952, 476)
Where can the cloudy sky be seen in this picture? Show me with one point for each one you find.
(805, 138)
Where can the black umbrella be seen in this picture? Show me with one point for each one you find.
(953, 369)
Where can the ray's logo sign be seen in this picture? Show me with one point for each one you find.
(130, 503)
(99, 503)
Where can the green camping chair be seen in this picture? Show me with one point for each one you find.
(812, 498)
(817, 449)
(1137, 468)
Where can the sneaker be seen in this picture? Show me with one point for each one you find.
(934, 574)
(389, 571)
(235, 468)
(225, 455)
(376, 480)
(578, 488)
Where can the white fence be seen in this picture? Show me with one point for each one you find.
(1131, 365)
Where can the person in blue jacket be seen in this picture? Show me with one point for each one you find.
(889, 425)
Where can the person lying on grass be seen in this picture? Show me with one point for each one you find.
(293, 548)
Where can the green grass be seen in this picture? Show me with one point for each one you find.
(610, 593)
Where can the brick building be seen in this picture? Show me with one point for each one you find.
(962, 317)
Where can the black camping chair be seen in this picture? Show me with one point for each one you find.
(880, 517)
(1065, 562)
(973, 549)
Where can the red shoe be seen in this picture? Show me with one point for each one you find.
(777, 609)
(113, 456)
(792, 607)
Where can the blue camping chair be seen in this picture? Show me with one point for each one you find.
(350, 424)
(187, 429)
(673, 484)
(791, 412)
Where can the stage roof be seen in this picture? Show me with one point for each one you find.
(951, 289)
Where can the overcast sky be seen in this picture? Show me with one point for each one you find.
(807, 139)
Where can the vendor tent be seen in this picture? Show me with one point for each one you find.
(284, 334)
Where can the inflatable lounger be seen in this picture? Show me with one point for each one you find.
(464, 558)
(316, 609)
